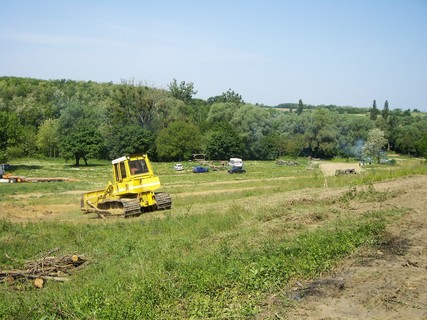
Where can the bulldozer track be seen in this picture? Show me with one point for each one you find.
(131, 207)
(163, 200)
(127, 207)
(122, 207)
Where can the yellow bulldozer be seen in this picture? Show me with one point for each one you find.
(131, 193)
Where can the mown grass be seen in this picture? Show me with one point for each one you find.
(182, 267)
(214, 255)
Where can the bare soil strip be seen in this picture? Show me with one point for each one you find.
(387, 282)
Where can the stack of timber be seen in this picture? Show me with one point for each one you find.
(47, 268)
(11, 179)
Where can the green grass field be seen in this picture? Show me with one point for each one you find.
(227, 244)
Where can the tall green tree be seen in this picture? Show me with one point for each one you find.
(83, 142)
(79, 131)
(321, 133)
(178, 141)
(128, 139)
(373, 112)
(421, 146)
(48, 139)
(352, 132)
(137, 104)
(253, 124)
(294, 145)
(375, 145)
(4, 133)
(223, 141)
(11, 133)
(229, 96)
(264, 148)
(300, 107)
(393, 128)
(182, 91)
(174, 110)
(385, 111)
(409, 138)
(222, 112)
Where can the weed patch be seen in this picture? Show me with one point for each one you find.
(367, 194)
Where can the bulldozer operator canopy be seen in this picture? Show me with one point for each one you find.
(134, 165)
(121, 159)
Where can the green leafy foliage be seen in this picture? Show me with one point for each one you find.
(131, 139)
(29, 109)
(229, 96)
(48, 138)
(182, 91)
(375, 144)
(321, 133)
(84, 142)
(224, 142)
(178, 141)
(300, 107)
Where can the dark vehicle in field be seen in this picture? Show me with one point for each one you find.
(200, 169)
(236, 170)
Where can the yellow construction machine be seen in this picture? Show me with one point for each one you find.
(131, 193)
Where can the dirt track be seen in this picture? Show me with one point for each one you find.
(388, 282)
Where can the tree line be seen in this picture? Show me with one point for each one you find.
(80, 120)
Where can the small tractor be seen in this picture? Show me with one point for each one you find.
(131, 193)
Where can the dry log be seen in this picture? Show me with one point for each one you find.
(38, 282)
(59, 279)
(11, 277)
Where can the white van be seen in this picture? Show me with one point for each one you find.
(235, 162)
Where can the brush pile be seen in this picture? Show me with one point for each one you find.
(346, 171)
(286, 163)
(40, 270)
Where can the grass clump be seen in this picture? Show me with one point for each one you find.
(366, 193)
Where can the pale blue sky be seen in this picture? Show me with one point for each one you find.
(270, 52)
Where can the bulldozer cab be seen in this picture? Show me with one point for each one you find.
(126, 168)
(138, 166)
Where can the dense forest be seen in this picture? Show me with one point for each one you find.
(81, 120)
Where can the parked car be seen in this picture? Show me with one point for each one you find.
(200, 169)
(178, 167)
(235, 162)
(236, 170)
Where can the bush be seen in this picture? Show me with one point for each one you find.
(15, 152)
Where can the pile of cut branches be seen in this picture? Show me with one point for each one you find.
(47, 268)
